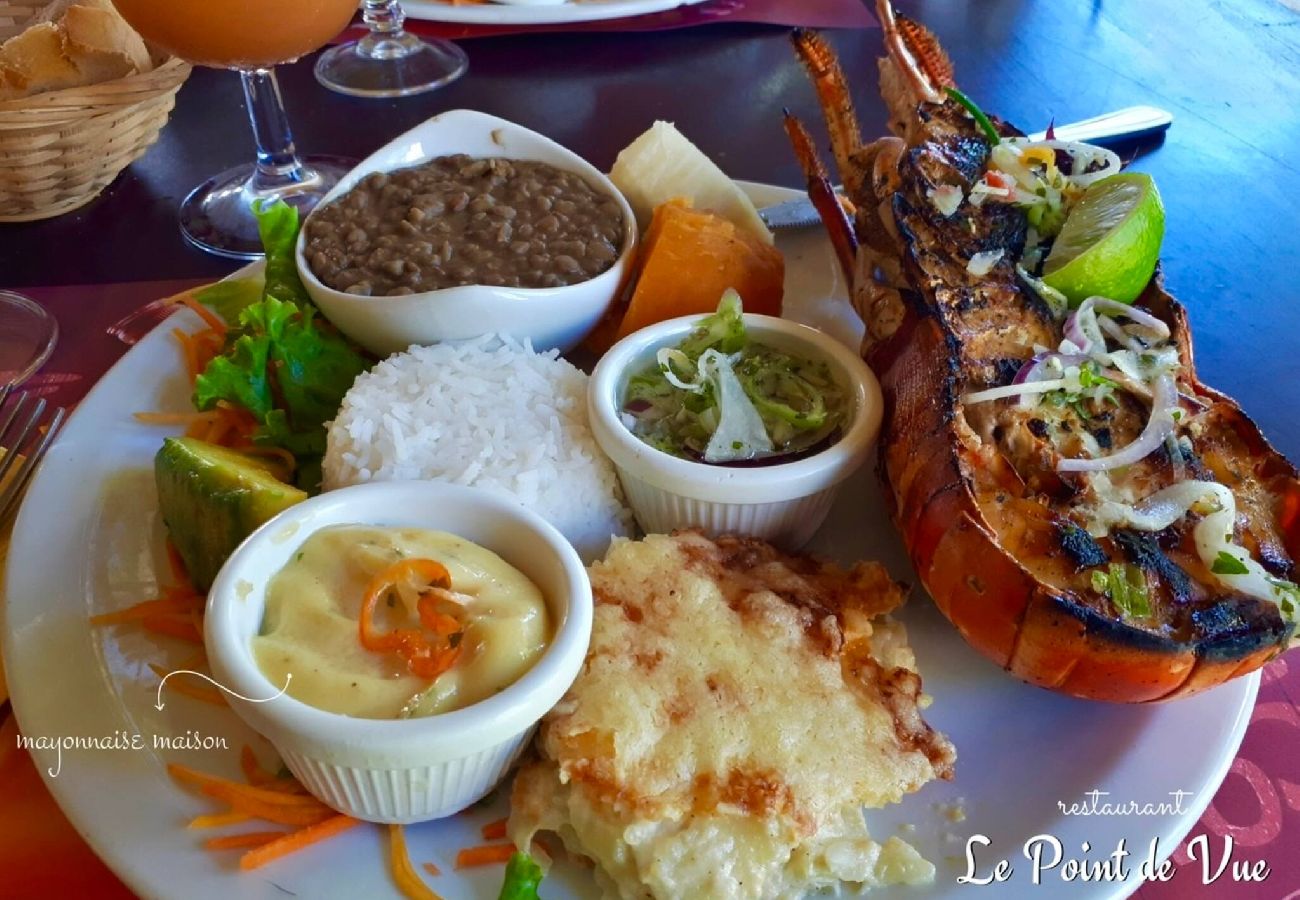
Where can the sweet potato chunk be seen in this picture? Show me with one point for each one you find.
(688, 259)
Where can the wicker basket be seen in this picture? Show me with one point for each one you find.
(59, 149)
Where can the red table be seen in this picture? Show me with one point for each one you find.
(1226, 173)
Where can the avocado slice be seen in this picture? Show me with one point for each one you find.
(212, 498)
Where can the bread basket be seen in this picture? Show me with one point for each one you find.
(59, 149)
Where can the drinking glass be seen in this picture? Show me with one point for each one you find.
(28, 334)
(251, 37)
(389, 62)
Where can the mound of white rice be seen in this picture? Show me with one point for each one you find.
(489, 412)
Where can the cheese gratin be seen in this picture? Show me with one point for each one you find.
(737, 709)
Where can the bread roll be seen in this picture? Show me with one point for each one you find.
(36, 60)
(101, 45)
(70, 43)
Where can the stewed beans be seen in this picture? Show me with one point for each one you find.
(458, 220)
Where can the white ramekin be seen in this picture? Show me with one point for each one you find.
(551, 318)
(407, 770)
(783, 503)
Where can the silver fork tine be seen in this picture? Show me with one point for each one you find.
(11, 415)
(11, 443)
(10, 496)
(12, 440)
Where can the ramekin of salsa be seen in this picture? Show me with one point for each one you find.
(734, 422)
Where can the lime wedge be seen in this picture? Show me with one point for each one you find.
(1110, 242)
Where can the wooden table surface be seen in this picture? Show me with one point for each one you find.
(1229, 71)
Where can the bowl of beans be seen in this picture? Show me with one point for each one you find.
(464, 226)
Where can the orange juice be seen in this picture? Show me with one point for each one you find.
(238, 34)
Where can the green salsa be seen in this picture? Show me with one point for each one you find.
(721, 397)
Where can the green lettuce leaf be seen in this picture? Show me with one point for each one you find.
(723, 331)
(231, 297)
(277, 224)
(287, 371)
(279, 363)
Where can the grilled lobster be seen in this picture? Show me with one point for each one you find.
(1140, 582)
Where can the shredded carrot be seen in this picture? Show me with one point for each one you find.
(431, 868)
(214, 786)
(495, 831)
(408, 881)
(257, 776)
(239, 841)
(171, 605)
(484, 855)
(296, 840)
(191, 353)
(278, 454)
(300, 815)
(229, 427)
(273, 806)
(171, 626)
(218, 820)
(211, 319)
(253, 771)
(190, 689)
(233, 790)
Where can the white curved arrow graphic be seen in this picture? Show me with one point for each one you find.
(159, 704)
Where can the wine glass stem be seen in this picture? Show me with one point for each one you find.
(383, 16)
(278, 164)
(387, 39)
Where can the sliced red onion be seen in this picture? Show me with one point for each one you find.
(1134, 314)
(1014, 390)
(1161, 424)
(1032, 370)
(1083, 155)
(1125, 340)
(1129, 384)
(1077, 332)
(637, 406)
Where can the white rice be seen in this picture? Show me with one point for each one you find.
(489, 412)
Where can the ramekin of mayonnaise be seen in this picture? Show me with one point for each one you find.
(410, 635)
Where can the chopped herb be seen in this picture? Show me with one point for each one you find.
(455, 637)
(1126, 587)
(1288, 596)
(1227, 564)
(298, 558)
(1090, 377)
(1100, 582)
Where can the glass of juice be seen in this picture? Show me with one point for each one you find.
(389, 61)
(246, 36)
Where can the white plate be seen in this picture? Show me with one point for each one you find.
(535, 13)
(89, 540)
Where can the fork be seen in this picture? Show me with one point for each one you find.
(21, 437)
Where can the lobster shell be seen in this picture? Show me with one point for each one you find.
(1041, 635)
(925, 354)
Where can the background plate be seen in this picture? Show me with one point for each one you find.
(89, 540)
(546, 14)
